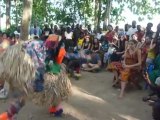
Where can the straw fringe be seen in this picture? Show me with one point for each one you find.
(19, 71)
(56, 88)
(18, 67)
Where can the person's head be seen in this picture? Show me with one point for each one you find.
(77, 26)
(139, 27)
(116, 28)
(122, 37)
(95, 40)
(4, 35)
(110, 28)
(68, 29)
(134, 24)
(149, 26)
(134, 37)
(55, 27)
(35, 25)
(158, 27)
(87, 39)
(81, 35)
(46, 25)
(126, 27)
(89, 27)
(132, 44)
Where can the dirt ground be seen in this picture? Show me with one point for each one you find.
(93, 99)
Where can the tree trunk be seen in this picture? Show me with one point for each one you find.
(95, 14)
(8, 9)
(107, 14)
(0, 16)
(99, 14)
(26, 18)
(46, 13)
(16, 13)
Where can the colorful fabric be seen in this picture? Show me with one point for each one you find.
(37, 51)
(115, 66)
(124, 74)
(52, 41)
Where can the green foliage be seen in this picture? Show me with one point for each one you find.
(11, 30)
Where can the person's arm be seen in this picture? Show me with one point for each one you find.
(89, 46)
(119, 53)
(152, 45)
(82, 46)
(139, 61)
(99, 47)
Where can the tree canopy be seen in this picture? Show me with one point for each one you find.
(68, 12)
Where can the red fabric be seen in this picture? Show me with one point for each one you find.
(4, 116)
(52, 41)
(52, 109)
(51, 44)
(61, 54)
(109, 36)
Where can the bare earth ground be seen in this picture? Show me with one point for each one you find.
(93, 99)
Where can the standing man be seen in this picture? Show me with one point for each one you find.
(35, 31)
(132, 30)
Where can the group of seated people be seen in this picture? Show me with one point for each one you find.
(132, 58)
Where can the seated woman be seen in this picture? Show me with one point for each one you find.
(86, 44)
(132, 62)
(93, 62)
(95, 45)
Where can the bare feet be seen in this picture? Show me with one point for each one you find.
(121, 96)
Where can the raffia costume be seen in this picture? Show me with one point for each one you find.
(19, 69)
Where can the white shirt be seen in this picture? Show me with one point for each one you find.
(68, 35)
(99, 35)
(131, 31)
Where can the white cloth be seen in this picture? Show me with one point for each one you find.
(68, 35)
(158, 81)
(131, 31)
(111, 50)
(99, 35)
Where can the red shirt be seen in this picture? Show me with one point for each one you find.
(109, 36)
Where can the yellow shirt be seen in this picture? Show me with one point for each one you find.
(151, 54)
(80, 41)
